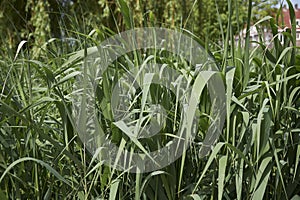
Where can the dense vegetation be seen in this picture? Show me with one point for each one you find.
(41, 155)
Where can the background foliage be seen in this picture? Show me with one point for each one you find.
(40, 20)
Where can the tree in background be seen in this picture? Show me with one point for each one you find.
(40, 21)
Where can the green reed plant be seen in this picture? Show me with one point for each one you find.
(256, 157)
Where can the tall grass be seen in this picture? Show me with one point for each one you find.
(256, 156)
